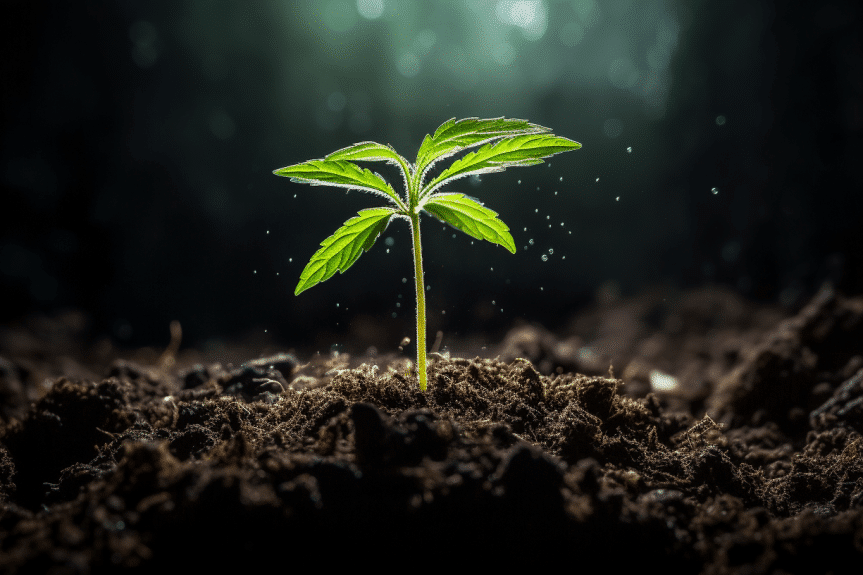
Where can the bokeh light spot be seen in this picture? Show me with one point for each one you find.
(370, 9)
(408, 65)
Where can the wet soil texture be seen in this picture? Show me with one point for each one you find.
(726, 438)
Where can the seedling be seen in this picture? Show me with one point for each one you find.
(504, 142)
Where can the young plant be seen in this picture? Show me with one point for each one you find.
(503, 143)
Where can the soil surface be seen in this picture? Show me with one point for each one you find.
(692, 432)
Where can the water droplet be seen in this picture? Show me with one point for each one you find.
(389, 240)
(404, 280)
(493, 302)
(388, 250)
(561, 178)
(519, 181)
(290, 260)
(537, 188)
(617, 199)
(550, 250)
(395, 315)
(597, 179)
(548, 217)
(541, 288)
(295, 195)
(268, 232)
(530, 241)
(492, 269)
(714, 191)
(525, 229)
(453, 236)
(337, 304)
(555, 193)
(398, 304)
(720, 120)
(561, 224)
(443, 312)
(629, 150)
(544, 258)
(405, 341)
(563, 257)
(254, 271)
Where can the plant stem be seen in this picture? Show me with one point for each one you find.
(421, 299)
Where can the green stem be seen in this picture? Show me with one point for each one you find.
(421, 299)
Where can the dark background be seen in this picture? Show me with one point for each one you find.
(722, 145)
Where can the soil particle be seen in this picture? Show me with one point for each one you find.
(744, 454)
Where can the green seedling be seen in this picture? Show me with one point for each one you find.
(505, 143)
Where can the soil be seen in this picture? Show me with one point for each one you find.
(694, 432)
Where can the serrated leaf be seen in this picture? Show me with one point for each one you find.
(339, 251)
(340, 174)
(515, 151)
(456, 135)
(367, 151)
(471, 217)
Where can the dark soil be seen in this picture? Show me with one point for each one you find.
(726, 438)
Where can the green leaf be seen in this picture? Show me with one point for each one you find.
(471, 217)
(456, 135)
(341, 174)
(339, 251)
(367, 151)
(524, 150)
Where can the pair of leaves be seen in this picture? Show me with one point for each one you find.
(516, 151)
(505, 143)
(339, 251)
(454, 136)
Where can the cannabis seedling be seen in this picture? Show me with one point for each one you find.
(505, 143)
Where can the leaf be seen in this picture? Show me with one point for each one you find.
(368, 151)
(456, 135)
(471, 217)
(340, 174)
(516, 151)
(339, 251)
